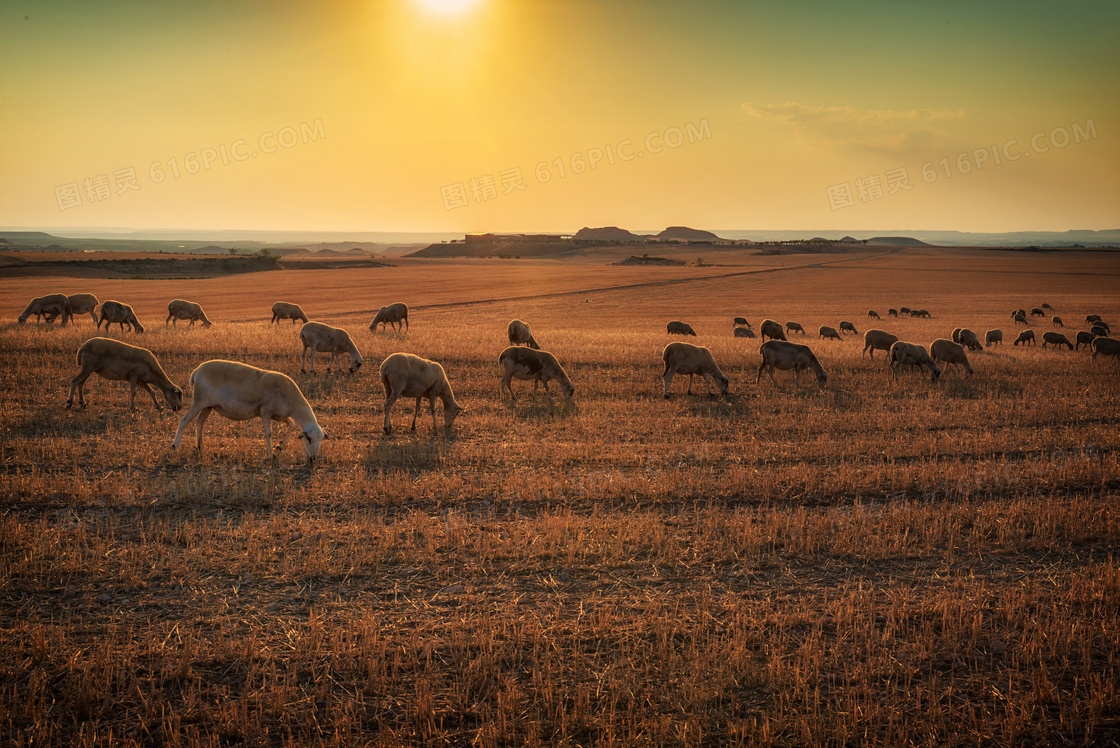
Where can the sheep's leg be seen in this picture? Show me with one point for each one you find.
(151, 392)
(169, 318)
(665, 381)
(507, 384)
(432, 406)
(708, 384)
(266, 427)
(390, 398)
(194, 411)
(546, 390)
(292, 428)
(79, 383)
(417, 413)
(770, 372)
(690, 383)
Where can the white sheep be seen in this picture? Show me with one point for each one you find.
(320, 338)
(117, 361)
(685, 358)
(406, 375)
(783, 355)
(539, 366)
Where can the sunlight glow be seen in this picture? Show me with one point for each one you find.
(447, 7)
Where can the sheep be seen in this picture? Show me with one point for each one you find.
(1057, 339)
(892, 312)
(1047, 306)
(286, 310)
(956, 336)
(1020, 319)
(241, 392)
(680, 328)
(1105, 347)
(319, 338)
(1057, 322)
(781, 354)
(1037, 312)
(1086, 339)
(540, 366)
(1026, 337)
(405, 375)
(993, 337)
(948, 352)
(911, 354)
(1099, 330)
(968, 339)
(828, 332)
(1019, 313)
(848, 327)
(794, 327)
(871, 313)
(771, 329)
(904, 310)
(874, 340)
(394, 315)
(920, 313)
(122, 314)
(49, 306)
(744, 332)
(1102, 323)
(1091, 318)
(81, 303)
(741, 321)
(519, 332)
(178, 309)
(685, 358)
(117, 361)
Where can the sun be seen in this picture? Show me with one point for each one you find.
(447, 7)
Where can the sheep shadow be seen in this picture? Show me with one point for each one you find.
(730, 406)
(528, 409)
(413, 454)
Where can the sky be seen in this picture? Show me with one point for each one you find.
(550, 115)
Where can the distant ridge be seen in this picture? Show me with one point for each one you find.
(898, 241)
(685, 233)
(606, 234)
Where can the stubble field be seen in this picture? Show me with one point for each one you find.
(874, 563)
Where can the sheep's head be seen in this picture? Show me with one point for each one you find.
(174, 398)
(312, 439)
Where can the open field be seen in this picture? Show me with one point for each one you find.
(874, 563)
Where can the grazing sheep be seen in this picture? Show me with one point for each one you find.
(948, 352)
(969, 340)
(993, 337)
(178, 309)
(1105, 347)
(1090, 318)
(828, 332)
(904, 310)
(82, 303)
(742, 321)
(1057, 321)
(117, 361)
(1102, 323)
(286, 310)
(1086, 339)
(1047, 306)
(877, 340)
(771, 329)
(241, 393)
(920, 313)
(783, 355)
(1019, 313)
(685, 358)
(1020, 319)
(319, 338)
(911, 354)
(680, 328)
(1057, 339)
(794, 327)
(520, 333)
(848, 327)
(49, 306)
(1099, 330)
(957, 334)
(1037, 312)
(122, 314)
(393, 315)
(892, 312)
(744, 332)
(540, 366)
(1026, 337)
(405, 375)
(873, 314)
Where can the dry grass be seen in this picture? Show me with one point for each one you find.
(877, 563)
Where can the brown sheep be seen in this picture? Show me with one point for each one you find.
(874, 340)
(1102, 323)
(828, 332)
(1084, 338)
(122, 314)
(904, 310)
(1026, 337)
(178, 309)
(993, 337)
(680, 328)
(319, 338)
(539, 366)
(1021, 319)
(519, 333)
(287, 310)
(685, 358)
(948, 352)
(892, 312)
(848, 327)
(741, 321)
(49, 306)
(1057, 322)
(117, 361)
(873, 314)
(1106, 347)
(969, 340)
(394, 315)
(1090, 318)
(1056, 339)
(794, 327)
(1037, 312)
(956, 336)
(744, 332)
(82, 303)
(241, 392)
(771, 329)
(406, 375)
(911, 354)
(783, 355)
(1099, 330)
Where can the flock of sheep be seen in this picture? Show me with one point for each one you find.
(242, 392)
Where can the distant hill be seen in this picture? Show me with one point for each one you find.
(897, 241)
(684, 233)
(606, 234)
